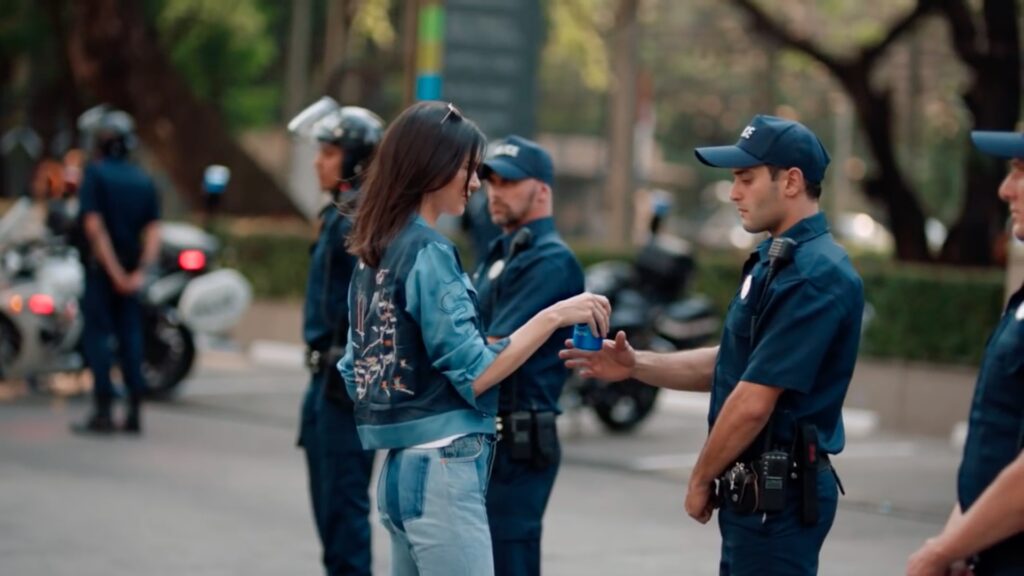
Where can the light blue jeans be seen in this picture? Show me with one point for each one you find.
(432, 503)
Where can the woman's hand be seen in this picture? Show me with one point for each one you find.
(591, 309)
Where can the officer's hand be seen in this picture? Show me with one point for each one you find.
(593, 310)
(699, 501)
(614, 362)
(131, 283)
(929, 560)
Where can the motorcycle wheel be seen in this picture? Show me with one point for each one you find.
(621, 406)
(168, 354)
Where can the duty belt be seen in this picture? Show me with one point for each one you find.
(317, 361)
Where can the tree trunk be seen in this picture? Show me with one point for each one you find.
(887, 185)
(619, 186)
(116, 56)
(874, 109)
(994, 100)
(340, 14)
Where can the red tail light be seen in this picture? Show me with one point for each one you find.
(192, 260)
(41, 304)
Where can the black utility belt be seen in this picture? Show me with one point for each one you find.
(760, 486)
(320, 360)
(326, 362)
(530, 436)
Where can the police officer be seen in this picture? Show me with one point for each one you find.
(782, 369)
(988, 518)
(339, 468)
(119, 218)
(527, 269)
(477, 225)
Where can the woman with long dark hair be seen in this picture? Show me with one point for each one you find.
(418, 366)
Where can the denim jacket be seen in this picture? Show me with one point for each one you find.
(416, 345)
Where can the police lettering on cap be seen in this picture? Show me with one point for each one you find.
(1002, 144)
(516, 158)
(773, 141)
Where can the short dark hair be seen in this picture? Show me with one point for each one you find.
(421, 152)
(813, 188)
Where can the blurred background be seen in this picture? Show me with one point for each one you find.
(619, 90)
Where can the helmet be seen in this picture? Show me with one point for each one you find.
(355, 130)
(107, 129)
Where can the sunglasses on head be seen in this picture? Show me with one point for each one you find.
(453, 113)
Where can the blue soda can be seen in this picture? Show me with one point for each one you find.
(583, 339)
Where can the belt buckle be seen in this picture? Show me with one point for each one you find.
(313, 360)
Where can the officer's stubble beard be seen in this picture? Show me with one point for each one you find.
(517, 221)
(768, 211)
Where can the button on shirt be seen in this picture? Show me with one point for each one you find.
(512, 291)
(807, 339)
(997, 411)
(325, 312)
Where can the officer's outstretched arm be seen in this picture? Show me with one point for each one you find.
(617, 360)
(997, 515)
(585, 308)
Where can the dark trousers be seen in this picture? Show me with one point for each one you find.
(309, 441)
(779, 544)
(1003, 559)
(345, 473)
(108, 314)
(517, 496)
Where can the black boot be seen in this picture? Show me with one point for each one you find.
(133, 420)
(99, 423)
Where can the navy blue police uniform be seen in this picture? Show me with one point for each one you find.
(806, 343)
(339, 468)
(996, 430)
(525, 271)
(995, 434)
(126, 199)
(541, 271)
(794, 324)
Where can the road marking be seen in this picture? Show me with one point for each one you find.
(279, 354)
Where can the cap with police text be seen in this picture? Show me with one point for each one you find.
(516, 158)
(1002, 144)
(769, 140)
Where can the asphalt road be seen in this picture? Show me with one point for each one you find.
(217, 487)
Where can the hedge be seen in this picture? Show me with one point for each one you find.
(922, 313)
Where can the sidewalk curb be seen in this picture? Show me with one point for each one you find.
(858, 423)
(276, 354)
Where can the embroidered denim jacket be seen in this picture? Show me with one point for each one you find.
(416, 345)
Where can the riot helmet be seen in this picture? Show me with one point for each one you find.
(107, 130)
(355, 130)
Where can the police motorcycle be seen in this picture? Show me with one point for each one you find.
(644, 295)
(41, 282)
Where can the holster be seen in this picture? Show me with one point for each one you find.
(325, 362)
(758, 486)
(808, 461)
(531, 437)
